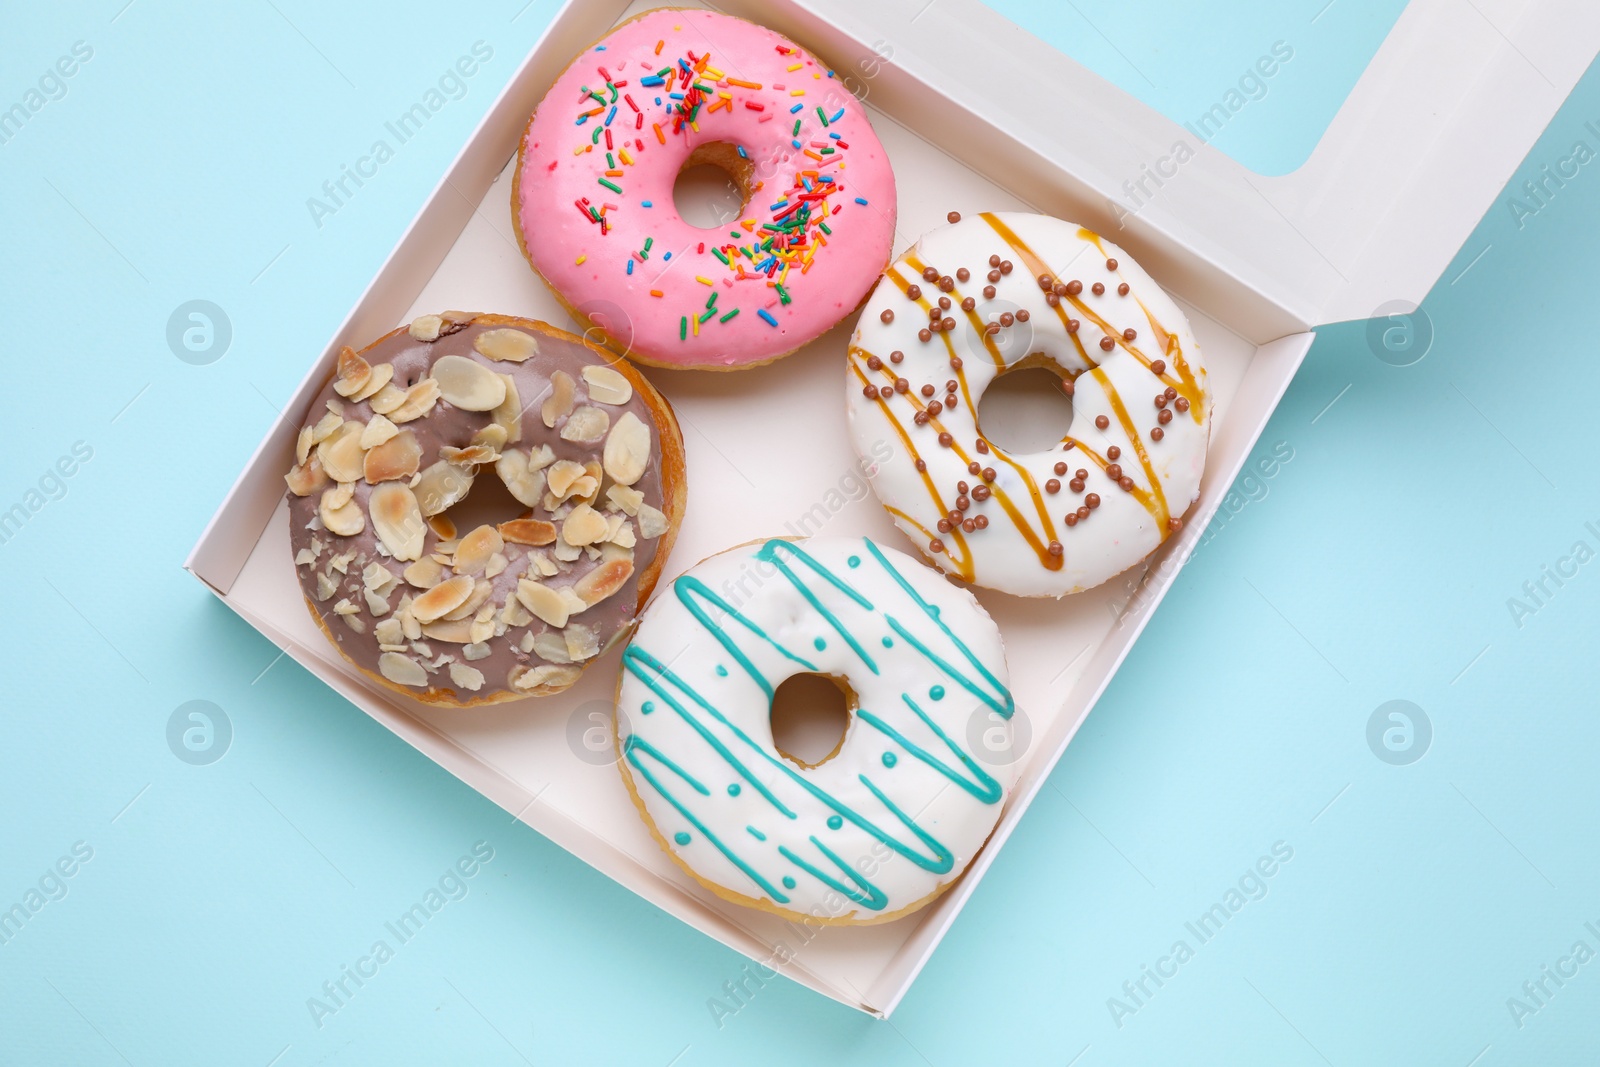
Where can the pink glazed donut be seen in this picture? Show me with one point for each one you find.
(673, 88)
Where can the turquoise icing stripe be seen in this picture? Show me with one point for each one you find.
(688, 587)
(770, 551)
(868, 895)
(984, 788)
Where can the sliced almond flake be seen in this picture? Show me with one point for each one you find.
(450, 631)
(305, 558)
(307, 478)
(381, 376)
(493, 437)
(442, 599)
(442, 486)
(652, 522)
(566, 553)
(514, 614)
(467, 384)
(326, 587)
(338, 496)
(469, 678)
(624, 537)
(387, 399)
(506, 345)
(476, 651)
(376, 603)
(523, 482)
(424, 573)
(542, 562)
(627, 449)
(545, 603)
(583, 642)
(483, 629)
(586, 490)
(526, 642)
(562, 391)
(607, 385)
(508, 416)
(390, 632)
(584, 526)
(549, 677)
(426, 328)
(625, 497)
(445, 530)
(354, 372)
(604, 580)
(562, 475)
(390, 648)
(355, 622)
(377, 431)
(378, 578)
(346, 520)
(341, 453)
(325, 426)
(303, 443)
(471, 456)
(397, 521)
(408, 621)
(473, 553)
(341, 562)
(551, 647)
(528, 531)
(402, 670)
(422, 648)
(496, 565)
(481, 591)
(419, 401)
(586, 425)
(344, 607)
(396, 459)
(335, 407)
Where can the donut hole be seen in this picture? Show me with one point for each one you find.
(713, 186)
(1024, 409)
(487, 503)
(810, 714)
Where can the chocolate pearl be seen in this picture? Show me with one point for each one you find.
(901, 385)
(921, 464)
(955, 362)
(946, 440)
(1093, 500)
(968, 304)
(913, 291)
(946, 283)
(982, 492)
(982, 446)
(1076, 485)
(1061, 468)
(1165, 416)
(924, 334)
(1122, 290)
(1006, 318)
(1083, 513)
(951, 386)
(1161, 400)
(887, 316)
(1059, 289)
(1072, 325)
(1126, 483)
(1005, 266)
(896, 356)
(953, 515)
(1071, 519)
(929, 274)
(934, 314)
(1158, 367)
(1171, 393)
(949, 324)
(1045, 281)
(936, 546)
(1055, 548)
(1098, 289)
(1182, 404)
(1114, 471)
(988, 292)
(993, 275)
(968, 525)
(988, 474)
(962, 274)
(1101, 422)
(1129, 334)
(927, 390)
(943, 525)
(935, 408)
(920, 418)
(1111, 264)
(1022, 314)
(874, 363)
(1174, 524)
(1081, 474)
(944, 303)
(963, 503)
(950, 400)
(871, 392)
(1074, 287)
(1068, 386)
(994, 261)
(1068, 446)
(1107, 344)
(962, 487)
(973, 467)
(1052, 486)
(1113, 452)
(954, 217)
(885, 392)
(1157, 433)
(1052, 299)
(981, 521)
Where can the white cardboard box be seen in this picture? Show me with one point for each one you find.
(1255, 262)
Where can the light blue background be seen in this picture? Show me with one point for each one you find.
(1374, 565)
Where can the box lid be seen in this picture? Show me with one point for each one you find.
(1439, 120)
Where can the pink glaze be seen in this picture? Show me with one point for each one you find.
(586, 259)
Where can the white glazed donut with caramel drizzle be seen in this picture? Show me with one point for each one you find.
(1003, 290)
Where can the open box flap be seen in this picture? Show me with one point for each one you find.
(1445, 112)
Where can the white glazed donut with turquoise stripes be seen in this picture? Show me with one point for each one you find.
(899, 812)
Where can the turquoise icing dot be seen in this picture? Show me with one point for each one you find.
(648, 706)
(854, 561)
(936, 693)
(721, 670)
(733, 789)
(681, 838)
(834, 822)
(820, 644)
(890, 759)
(788, 882)
(888, 642)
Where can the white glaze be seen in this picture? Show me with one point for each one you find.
(1126, 526)
(676, 655)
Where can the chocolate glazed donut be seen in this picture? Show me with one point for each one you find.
(585, 455)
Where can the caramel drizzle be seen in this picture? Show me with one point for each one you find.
(1120, 410)
(1039, 544)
